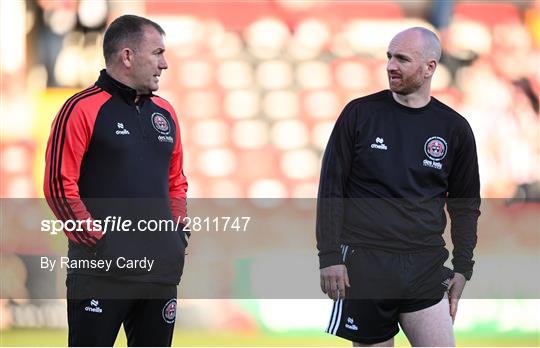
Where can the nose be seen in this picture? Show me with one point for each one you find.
(163, 63)
(390, 65)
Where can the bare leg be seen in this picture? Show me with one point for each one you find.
(389, 343)
(430, 326)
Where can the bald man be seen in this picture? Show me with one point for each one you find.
(394, 160)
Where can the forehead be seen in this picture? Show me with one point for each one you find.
(152, 38)
(408, 43)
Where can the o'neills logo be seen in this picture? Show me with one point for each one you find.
(95, 310)
(121, 129)
(379, 144)
(94, 307)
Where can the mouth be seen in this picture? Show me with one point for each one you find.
(394, 77)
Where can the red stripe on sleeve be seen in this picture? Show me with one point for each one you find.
(177, 180)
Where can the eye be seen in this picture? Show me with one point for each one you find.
(403, 59)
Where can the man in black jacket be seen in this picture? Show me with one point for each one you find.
(115, 153)
(393, 161)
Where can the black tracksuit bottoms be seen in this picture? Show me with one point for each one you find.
(98, 306)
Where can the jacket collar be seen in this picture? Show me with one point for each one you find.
(113, 86)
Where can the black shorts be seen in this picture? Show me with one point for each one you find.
(383, 285)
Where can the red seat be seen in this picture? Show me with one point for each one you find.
(234, 15)
(488, 13)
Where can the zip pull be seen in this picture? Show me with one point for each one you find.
(139, 120)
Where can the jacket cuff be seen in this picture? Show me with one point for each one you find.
(330, 259)
(466, 273)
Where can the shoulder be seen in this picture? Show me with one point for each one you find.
(454, 119)
(163, 103)
(449, 113)
(88, 101)
(355, 106)
(379, 97)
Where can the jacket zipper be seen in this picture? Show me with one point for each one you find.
(139, 118)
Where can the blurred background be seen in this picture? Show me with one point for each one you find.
(258, 86)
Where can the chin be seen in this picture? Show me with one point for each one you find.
(393, 87)
(403, 90)
(396, 90)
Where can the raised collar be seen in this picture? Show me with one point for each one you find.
(113, 86)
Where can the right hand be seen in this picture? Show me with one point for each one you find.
(457, 284)
(334, 279)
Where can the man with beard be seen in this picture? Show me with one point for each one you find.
(394, 160)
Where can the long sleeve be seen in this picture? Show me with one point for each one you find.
(336, 165)
(177, 180)
(463, 202)
(70, 135)
(178, 184)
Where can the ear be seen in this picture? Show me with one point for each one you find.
(126, 56)
(431, 65)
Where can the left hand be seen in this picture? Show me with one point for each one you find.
(334, 280)
(455, 289)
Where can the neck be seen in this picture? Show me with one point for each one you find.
(118, 76)
(417, 99)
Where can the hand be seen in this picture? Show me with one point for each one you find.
(334, 279)
(455, 289)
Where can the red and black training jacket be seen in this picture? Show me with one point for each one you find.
(109, 156)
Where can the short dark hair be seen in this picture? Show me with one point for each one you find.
(125, 30)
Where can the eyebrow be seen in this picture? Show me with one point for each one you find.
(398, 55)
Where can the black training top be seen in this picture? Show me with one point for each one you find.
(388, 171)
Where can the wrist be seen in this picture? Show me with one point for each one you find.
(329, 259)
(466, 274)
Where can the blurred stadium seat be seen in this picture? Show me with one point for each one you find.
(488, 13)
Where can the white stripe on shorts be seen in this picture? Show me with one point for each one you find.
(336, 317)
(332, 317)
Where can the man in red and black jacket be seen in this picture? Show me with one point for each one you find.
(115, 151)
